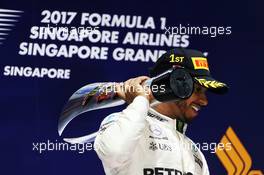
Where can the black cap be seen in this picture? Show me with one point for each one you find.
(194, 62)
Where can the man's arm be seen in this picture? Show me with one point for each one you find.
(120, 132)
(119, 136)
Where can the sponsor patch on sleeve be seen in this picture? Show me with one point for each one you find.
(107, 122)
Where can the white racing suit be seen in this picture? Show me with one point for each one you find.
(141, 141)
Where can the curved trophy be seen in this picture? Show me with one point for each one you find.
(177, 84)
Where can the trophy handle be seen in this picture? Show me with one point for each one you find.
(90, 97)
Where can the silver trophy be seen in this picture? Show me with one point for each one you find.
(177, 83)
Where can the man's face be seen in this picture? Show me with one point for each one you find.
(188, 109)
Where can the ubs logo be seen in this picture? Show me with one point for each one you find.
(159, 146)
(164, 147)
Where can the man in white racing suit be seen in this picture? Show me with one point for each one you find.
(144, 140)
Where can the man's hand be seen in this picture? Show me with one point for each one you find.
(133, 88)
